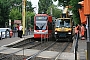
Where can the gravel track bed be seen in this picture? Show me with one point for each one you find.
(27, 46)
(69, 48)
(57, 47)
(43, 45)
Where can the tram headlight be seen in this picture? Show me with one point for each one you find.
(55, 32)
(69, 32)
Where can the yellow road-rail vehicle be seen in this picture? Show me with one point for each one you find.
(64, 28)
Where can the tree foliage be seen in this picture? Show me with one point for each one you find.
(15, 14)
(4, 12)
(63, 2)
(56, 12)
(74, 9)
(12, 9)
(30, 19)
(43, 5)
(29, 6)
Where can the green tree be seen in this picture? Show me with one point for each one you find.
(4, 12)
(15, 15)
(30, 19)
(56, 12)
(75, 11)
(29, 6)
(43, 5)
(63, 2)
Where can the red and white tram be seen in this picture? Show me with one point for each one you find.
(42, 26)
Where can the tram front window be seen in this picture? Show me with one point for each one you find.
(41, 26)
(41, 18)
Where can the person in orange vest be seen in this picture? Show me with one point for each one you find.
(79, 29)
(76, 31)
(82, 32)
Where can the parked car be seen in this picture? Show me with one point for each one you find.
(5, 32)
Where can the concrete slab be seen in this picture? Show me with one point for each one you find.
(10, 50)
(68, 56)
(48, 54)
(27, 52)
(3, 48)
(11, 41)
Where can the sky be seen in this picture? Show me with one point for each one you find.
(35, 4)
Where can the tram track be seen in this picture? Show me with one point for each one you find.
(58, 55)
(46, 46)
(34, 55)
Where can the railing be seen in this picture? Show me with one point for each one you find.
(76, 46)
(46, 37)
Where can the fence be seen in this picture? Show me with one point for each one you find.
(76, 46)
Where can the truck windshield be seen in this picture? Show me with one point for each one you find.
(63, 23)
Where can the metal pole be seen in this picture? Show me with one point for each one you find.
(76, 46)
(41, 38)
(23, 15)
(26, 20)
(88, 37)
(51, 11)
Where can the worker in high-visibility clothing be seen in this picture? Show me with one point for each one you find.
(79, 28)
(76, 31)
(82, 32)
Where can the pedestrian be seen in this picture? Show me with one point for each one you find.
(82, 32)
(86, 31)
(76, 31)
(20, 31)
(79, 30)
(29, 30)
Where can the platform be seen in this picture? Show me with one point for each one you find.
(14, 40)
